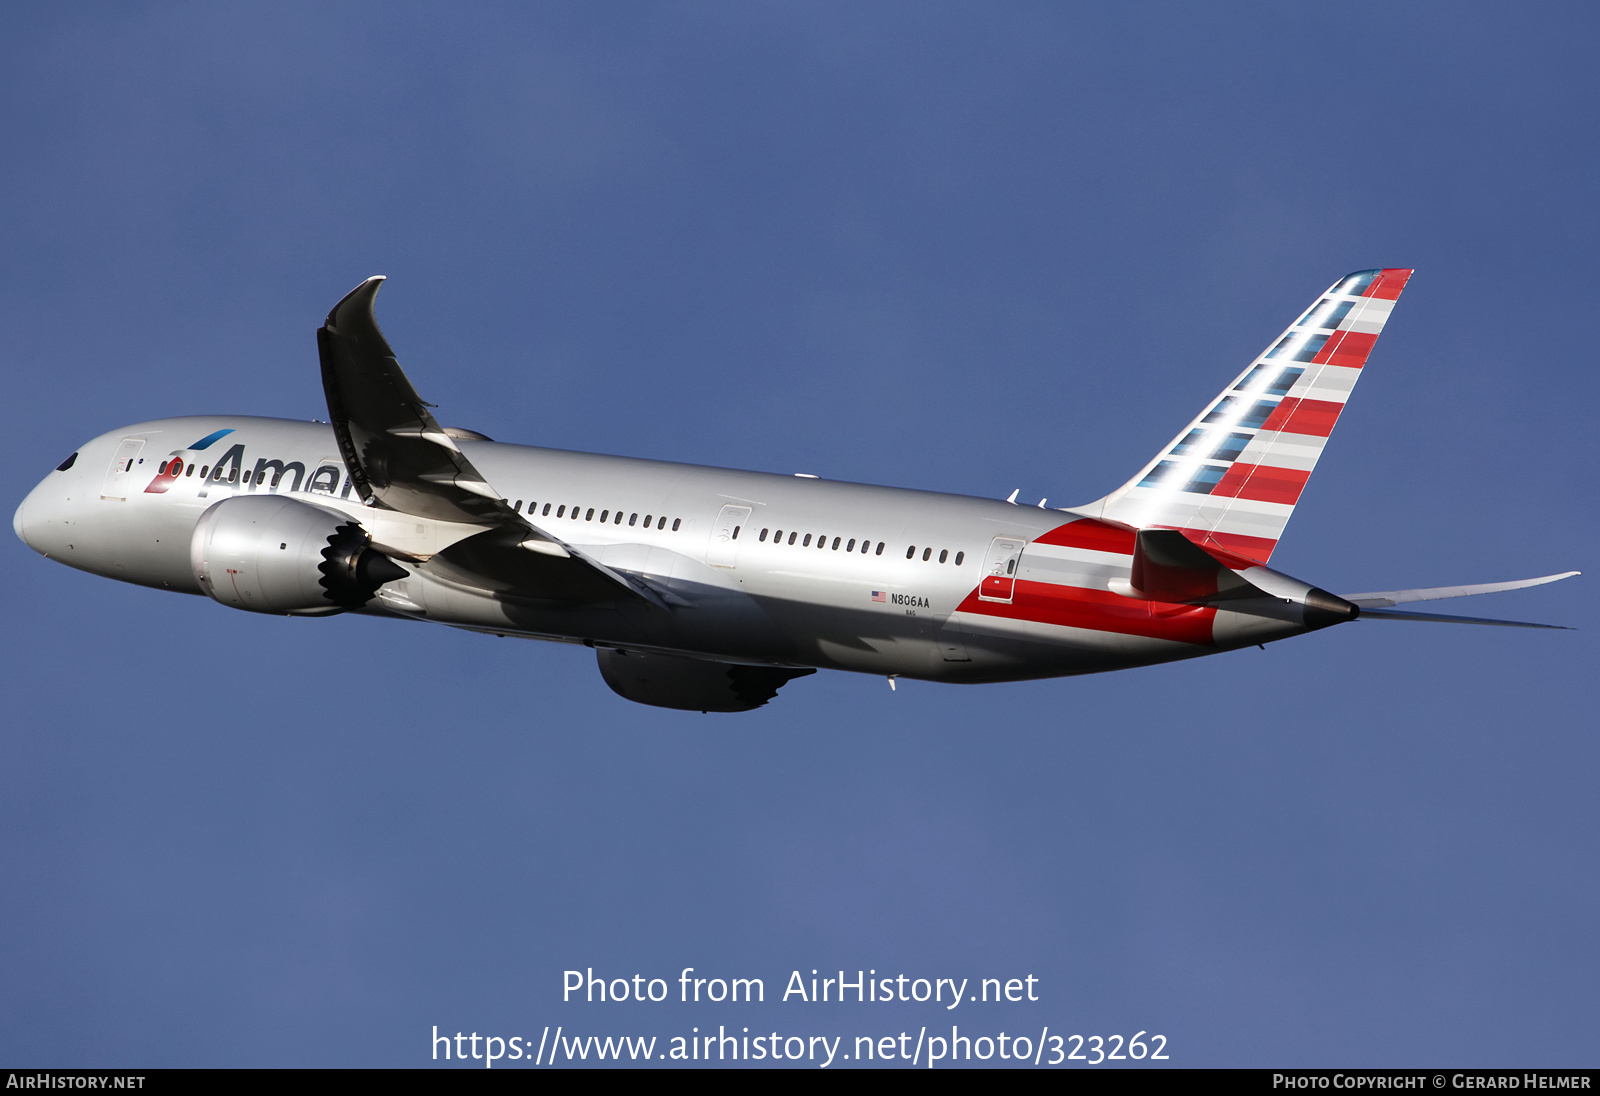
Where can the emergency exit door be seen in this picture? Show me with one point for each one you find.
(724, 550)
(1000, 569)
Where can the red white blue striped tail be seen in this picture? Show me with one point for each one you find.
(1232, 477)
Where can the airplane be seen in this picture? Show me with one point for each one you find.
(709, 589)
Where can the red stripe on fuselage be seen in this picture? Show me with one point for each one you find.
(1297, 416)
(1098, 611)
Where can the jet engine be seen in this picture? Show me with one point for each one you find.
(270, 554)
(691, 684)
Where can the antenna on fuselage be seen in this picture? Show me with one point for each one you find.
(1012, 498)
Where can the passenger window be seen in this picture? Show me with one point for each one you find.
(618, 519)
(911, 551)
(517, 509)
(590, 515)
(161, 469)
(807, 542)
(562, 512)
(879, 552)
(926, 552)
(835, 544)
(205, 470)
(822, 541)
(792, 536)
(547, 510)
(632, 519)
(763, 537)
(649, 519)
(959, 557)
(605, 516)
(675, 523)
(661, 523)
(865, 545)
(189, 471)
(944, 554)
(851, 547)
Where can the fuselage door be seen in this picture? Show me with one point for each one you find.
(725, 533)
(325, 480)
(1000, 569)
(122, 469)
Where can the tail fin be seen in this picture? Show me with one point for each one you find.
(1232, 477)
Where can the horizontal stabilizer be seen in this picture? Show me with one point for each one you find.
(1385, 598)
(1440, 618)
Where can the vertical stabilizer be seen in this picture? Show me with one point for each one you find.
(1233, 476)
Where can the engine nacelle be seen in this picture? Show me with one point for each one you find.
(270, 554)
(691, 684)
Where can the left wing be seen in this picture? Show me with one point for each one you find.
(399, 458)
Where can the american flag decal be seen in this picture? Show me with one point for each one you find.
(879, 595)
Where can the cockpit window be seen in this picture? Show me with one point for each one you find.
(64, 465)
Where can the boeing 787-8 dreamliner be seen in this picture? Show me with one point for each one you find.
(708, 589)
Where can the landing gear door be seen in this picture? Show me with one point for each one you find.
(1000, 569)
(730, 523)
(122, 469)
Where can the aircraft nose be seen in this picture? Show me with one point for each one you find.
(26, 520)
(41, 519)
(19, 522)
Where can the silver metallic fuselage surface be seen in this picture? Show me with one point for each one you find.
(710, 588)
(820, 601)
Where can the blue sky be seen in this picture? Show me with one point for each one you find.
(954, 246)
